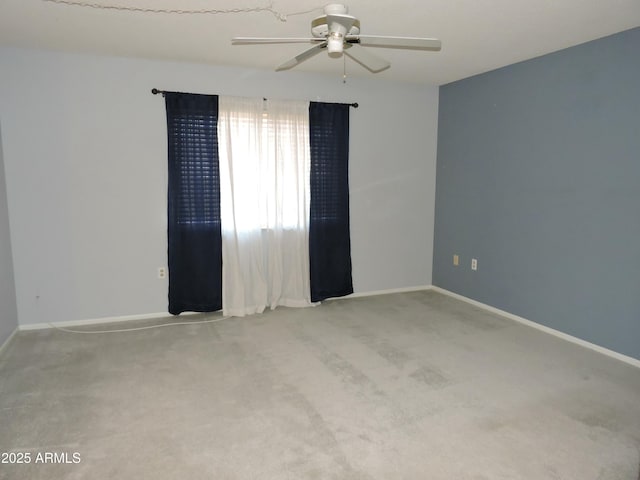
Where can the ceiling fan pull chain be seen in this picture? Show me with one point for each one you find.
(344, 68)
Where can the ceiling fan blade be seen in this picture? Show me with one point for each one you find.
(365, 58)
(261, 40)
(397, 42)
(302, 57)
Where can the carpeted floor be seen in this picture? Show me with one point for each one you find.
(404, 386)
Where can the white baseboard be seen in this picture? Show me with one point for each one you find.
(94, 321)
(383, 292)
(6, 343)
(610, 353)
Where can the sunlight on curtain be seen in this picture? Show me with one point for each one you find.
(264, 200)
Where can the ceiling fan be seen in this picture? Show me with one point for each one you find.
(339, 33)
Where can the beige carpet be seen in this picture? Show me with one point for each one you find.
(403, 386)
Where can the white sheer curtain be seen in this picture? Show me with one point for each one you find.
(264, 200)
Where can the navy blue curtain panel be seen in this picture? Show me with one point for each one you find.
(194, 229)
(329, 235)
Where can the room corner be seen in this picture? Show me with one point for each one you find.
(9, 311)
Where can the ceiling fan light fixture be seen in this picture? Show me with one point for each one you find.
(335, 43)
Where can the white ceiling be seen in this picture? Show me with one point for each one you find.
(477, 35)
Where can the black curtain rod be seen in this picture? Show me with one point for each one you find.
(155, 91)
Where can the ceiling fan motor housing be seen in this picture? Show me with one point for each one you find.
(336, 9)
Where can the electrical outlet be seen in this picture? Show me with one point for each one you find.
(474, 264)
(456, 260)
(162, 272)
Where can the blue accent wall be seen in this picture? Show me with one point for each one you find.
(538, 178)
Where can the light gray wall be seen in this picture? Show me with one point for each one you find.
(8, 308)
(85, 155)
(538, 177)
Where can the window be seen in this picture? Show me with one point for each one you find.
(197, 173)
(265, 163)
